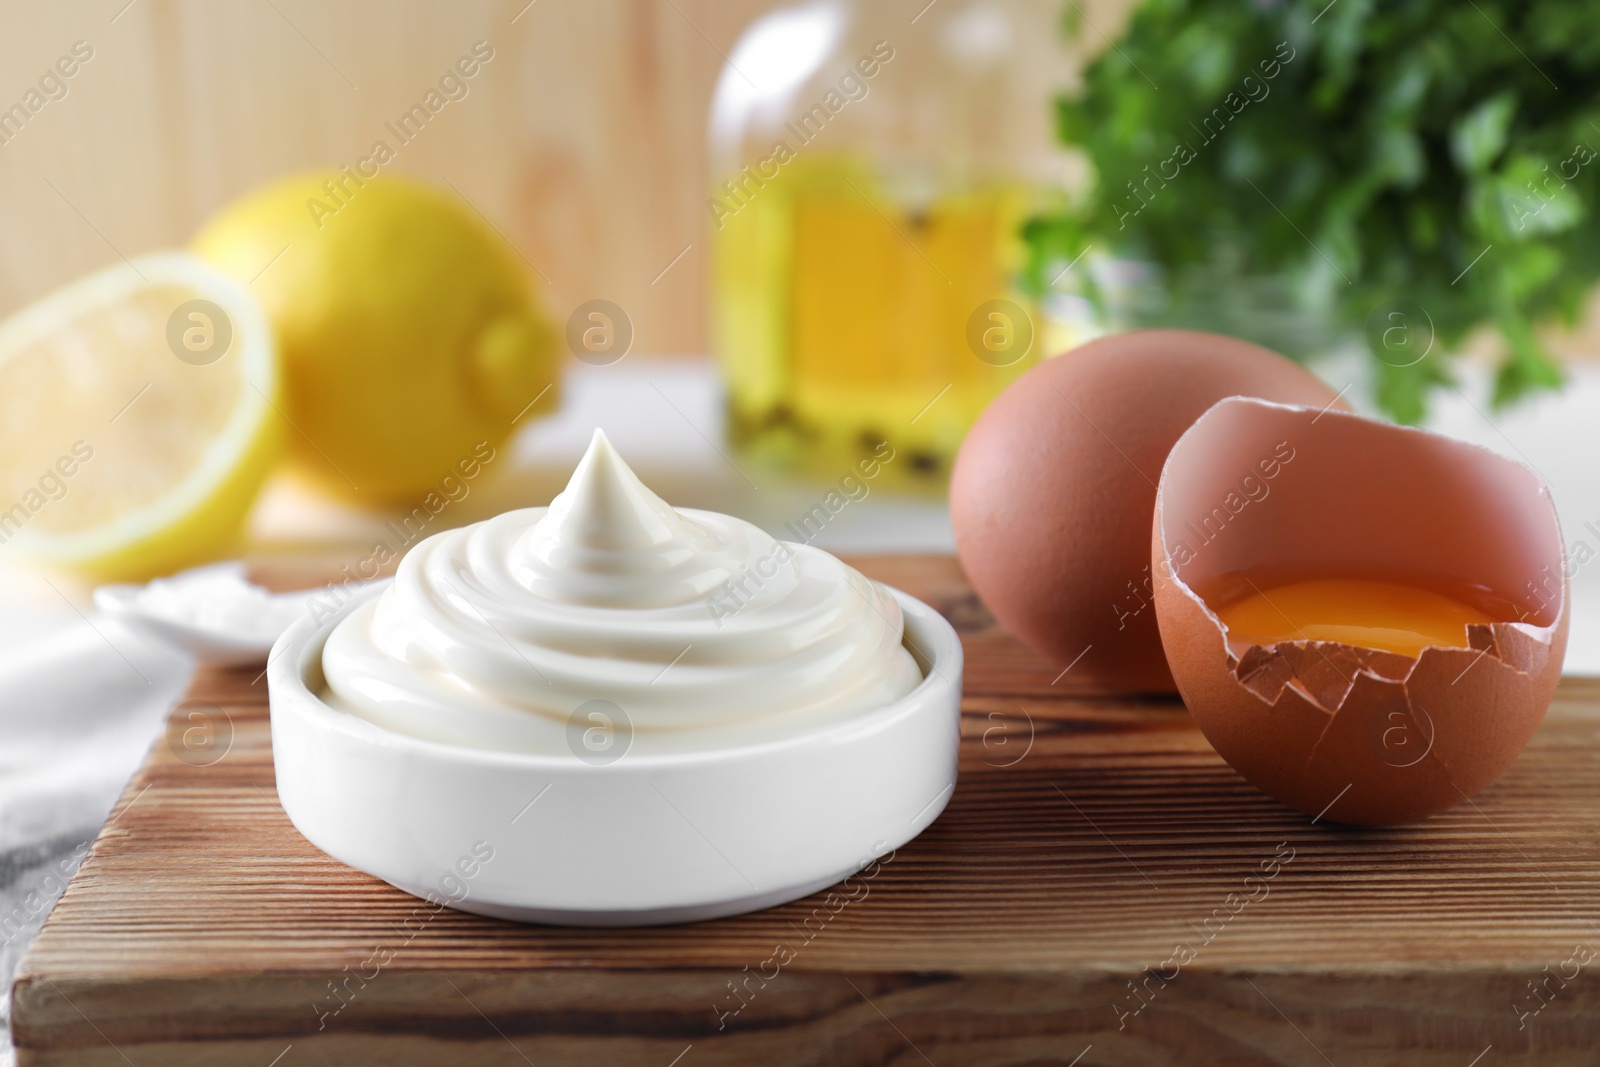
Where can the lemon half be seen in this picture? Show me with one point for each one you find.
(137, 419)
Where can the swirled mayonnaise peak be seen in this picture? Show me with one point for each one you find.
(695, 629)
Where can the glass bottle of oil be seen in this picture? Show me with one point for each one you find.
(872, 164)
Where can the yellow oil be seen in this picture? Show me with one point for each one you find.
(843, 318)
(1384, 615)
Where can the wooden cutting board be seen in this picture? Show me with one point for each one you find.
(1078, 903)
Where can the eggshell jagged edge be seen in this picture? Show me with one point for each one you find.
(1347, 734)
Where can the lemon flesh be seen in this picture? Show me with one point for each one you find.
(136, 419)
(405, 325)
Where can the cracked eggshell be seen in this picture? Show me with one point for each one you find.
(1358, 736)
(1054, 487)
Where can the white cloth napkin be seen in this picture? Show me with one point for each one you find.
(79, 706)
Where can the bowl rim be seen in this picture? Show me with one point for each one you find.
(293, 653)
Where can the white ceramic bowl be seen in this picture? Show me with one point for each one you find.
(643, 840)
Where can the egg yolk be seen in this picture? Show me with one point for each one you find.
(1388, 616)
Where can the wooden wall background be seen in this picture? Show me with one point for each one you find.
(583, 139)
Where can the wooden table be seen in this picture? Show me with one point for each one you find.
(1078, 903)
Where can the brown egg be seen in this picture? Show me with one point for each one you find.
(1256, 500)
(1053, 490)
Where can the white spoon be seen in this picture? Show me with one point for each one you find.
(214, 613)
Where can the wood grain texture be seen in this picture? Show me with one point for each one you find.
(583, 139)
(1089, 837)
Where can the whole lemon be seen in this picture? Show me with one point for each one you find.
(406, 328)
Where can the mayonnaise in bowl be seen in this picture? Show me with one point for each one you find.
(649, 715)
(699, 629)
